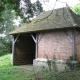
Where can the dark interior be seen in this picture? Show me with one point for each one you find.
(24, 50)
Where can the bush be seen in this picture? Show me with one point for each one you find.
(70, 73)
(62, 75)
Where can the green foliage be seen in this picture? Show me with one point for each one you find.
(71, 73)
(5, 45)
(51, 63)
(23, 8)
(73, 64)
(59, 75)
(5, 27)
(9, 72)
(76, 9)
(11, 10)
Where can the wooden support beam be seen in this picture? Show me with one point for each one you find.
(66, 32)
(13, 48)
(72, 39)
(16, 38)
(36, 55)
(40, 38)
(36, 42)
(73, 44)
(13, 51)
(33, 38)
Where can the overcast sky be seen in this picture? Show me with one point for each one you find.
(60, 3)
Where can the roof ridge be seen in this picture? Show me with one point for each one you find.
(73, 20)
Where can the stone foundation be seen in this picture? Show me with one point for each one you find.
(40, 63)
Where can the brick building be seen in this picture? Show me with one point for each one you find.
(52, 34)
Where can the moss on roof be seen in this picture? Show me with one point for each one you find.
(60, 18)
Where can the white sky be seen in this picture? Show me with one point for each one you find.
(49, 5)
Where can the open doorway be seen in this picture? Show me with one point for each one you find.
(24, 50)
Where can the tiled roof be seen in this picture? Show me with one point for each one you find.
(60, 18)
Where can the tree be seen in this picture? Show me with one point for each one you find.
(23, 8)
(76, 9)
(37, 6)
(28, 9)
(6, 26)
(9, 11)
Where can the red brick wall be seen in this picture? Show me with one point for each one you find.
(54, 44)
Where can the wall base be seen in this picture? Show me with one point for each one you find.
(40, 63)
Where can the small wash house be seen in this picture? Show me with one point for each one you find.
(53, 34)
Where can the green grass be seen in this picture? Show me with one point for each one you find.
(9, 72)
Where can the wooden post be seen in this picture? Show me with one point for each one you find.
(73, 44)
(33, 38)
(36, 46)
(36, 43)
(72, 39)
(13, 48)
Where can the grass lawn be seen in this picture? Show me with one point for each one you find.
(9, 72)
